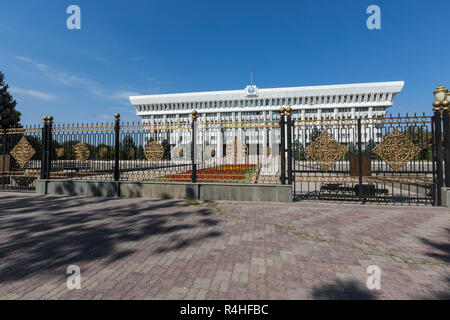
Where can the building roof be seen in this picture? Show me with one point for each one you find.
(393, 87)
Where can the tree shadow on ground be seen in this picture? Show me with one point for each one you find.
(343, 290)
(440, 251)
(42, 234)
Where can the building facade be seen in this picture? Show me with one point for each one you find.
(347, 101)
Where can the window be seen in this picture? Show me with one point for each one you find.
(344, 110)
(327, 110)
(361, 109)
(311, 111)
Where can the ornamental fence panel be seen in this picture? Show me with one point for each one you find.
(389, 159)
(20, 158)
(396, 159)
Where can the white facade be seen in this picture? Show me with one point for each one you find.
(252, 103)
(315, 102)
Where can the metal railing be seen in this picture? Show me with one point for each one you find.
(310, 155)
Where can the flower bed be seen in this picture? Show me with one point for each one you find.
(225, 173)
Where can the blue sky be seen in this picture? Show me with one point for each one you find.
(145, 47)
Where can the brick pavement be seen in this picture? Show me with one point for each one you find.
(166, 249)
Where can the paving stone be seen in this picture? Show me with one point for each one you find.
(162, 249)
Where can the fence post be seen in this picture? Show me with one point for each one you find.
(3, 156)
(48, 159)
(446, 125)
(116, 147)
(44, 149)
(194, 165)
(289, 143)
(283, 146)
(439, 158)
(360, 182)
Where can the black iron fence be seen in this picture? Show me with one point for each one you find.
(389, 158)
(20, 158)
(399, 159)
(189, 151)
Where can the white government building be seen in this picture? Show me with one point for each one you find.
(253, 103)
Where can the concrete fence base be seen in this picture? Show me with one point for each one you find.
(445, 194)
(167, 190)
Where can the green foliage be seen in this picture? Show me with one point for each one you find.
(68, 149)
(101, 155)
(166, 145)
(140, 154)
(10, 117)
(422, 138)
(298, 152)
(315, 133)
(128, 148)
(36, 143)
(368, 149)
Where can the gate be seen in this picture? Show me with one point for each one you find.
(388, 159)
(20, 158)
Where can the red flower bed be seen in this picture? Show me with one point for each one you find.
(225, 172)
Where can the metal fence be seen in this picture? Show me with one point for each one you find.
(20, 159)
(190, 151)
(384, 159)
(394, 158)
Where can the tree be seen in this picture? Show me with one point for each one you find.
(9, 116)
(128, 148)
(422, 138)
(369, 147)
(315, 133)
(166, 146)
(298, 152)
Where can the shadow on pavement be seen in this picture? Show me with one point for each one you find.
(40, 234)
(441, 252)
(343, 290)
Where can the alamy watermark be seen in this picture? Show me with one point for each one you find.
(374, 279)
(374, 20)
(74, 280)
(73, 22)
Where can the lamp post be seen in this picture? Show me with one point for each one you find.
(441, 106)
